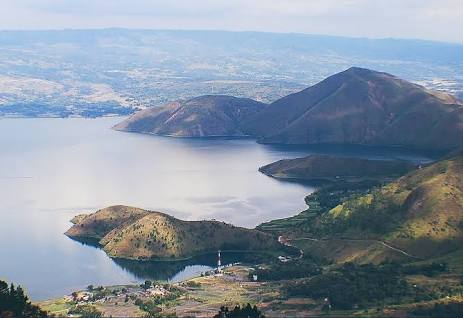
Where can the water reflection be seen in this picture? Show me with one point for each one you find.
(358, 151)
(169, 270)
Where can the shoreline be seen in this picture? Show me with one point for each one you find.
(89, 240)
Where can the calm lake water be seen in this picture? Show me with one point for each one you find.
(53, 169)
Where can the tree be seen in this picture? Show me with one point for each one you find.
(87, 311)
(146, 285)
(14, 303)
(74, 296)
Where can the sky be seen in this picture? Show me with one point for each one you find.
(440, 20)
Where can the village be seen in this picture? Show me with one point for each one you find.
(199, 297)
(226, 284)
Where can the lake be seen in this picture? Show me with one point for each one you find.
(53, 169)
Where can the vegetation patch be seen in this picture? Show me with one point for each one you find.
(247, 311)
(14, 303)
(299, 268)
(449, 309)
(354, 286)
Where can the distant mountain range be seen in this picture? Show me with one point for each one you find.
(92, 73)
(357, 107)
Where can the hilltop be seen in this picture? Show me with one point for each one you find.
(361, 106)
(128, 232)
(330, 168)
(418, 216)
(198, 117)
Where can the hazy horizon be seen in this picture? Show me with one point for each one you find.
(374, 19)
(233, 31)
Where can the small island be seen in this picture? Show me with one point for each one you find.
(133, 233)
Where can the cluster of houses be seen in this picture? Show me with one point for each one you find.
(144, 291)
(80, 297)
(156, 290)
(86, 297)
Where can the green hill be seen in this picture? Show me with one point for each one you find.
(210, 115)
(418, 216)
(322, 167)
(127, 232)
(361, 106)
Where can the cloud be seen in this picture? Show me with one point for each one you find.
(428, 19)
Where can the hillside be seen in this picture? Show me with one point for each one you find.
(360, 106)
(322, 167)
(419, 216)
(127, 232)
(198, 117)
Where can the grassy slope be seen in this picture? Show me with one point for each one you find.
(420, 213)
(322, 167)
(128, 232)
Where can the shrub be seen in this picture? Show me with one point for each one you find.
(193, 284)
(87, 311)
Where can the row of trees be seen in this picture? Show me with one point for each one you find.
(247, 311)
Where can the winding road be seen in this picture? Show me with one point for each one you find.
(286, 241)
